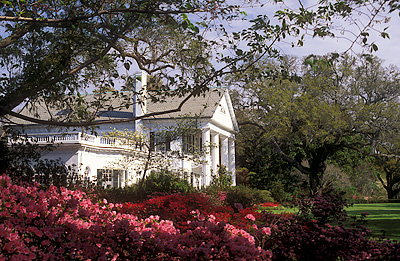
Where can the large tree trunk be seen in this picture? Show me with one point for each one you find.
(388, 186)
(317, 170)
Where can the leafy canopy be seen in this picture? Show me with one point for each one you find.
(53, 51)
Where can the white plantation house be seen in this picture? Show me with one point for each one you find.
(94, 156)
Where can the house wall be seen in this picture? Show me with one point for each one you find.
(220, 130)
(67, 154)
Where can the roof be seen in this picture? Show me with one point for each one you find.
(202, 106)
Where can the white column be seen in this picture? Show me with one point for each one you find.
(224, 152)
(214, 152)
(232, 163)
(206, 158)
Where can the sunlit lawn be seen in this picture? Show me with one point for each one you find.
(383, 218)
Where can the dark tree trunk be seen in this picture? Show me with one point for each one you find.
(317, 170)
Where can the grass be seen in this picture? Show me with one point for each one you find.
(383, 218)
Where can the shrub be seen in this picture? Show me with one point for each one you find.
(114, 195)
(60, 224)
(278, 192)
(247, 196)
(295, 239)
(179, 208)
(46, 172)
(309, 236)
(323, 208)
(223, 179)
(165, 182)
(157, 183)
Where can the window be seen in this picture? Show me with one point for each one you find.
(108, 178)
(160, 141)
(191, 143)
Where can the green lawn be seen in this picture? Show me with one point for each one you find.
(383, 218)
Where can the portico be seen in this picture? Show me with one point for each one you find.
(219, 148)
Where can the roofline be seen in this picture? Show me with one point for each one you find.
(202, 117)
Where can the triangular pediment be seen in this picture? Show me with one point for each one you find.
(224, 116)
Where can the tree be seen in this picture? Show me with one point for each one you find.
(340, 102)
(391, 179)
(387, 164)
(262, 166)
(52, 51)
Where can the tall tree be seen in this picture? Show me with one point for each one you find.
(254, 153)
(52, 50)
(387, 163)
(340, 102)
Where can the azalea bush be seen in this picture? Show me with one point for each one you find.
(178, 208)
(270, 205)
(61, 224)
(316, 233)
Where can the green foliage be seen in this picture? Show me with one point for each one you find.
(47, 172)
(19, 151)
(52, 50)
(341, 103)
(260, 166)
(221, 180)
(165, 182)
(278, 192)
(386, 163)
(247, 196)
(115, 195)
(243, 176)
(156, 183)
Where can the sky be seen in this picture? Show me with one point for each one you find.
(388, 49)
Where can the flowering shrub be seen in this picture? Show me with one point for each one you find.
(326, 207)
(294, 239)
(60, 224)
(309, 236)
(178, 208)
(270, 205)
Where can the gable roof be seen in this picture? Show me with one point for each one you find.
(203, 106)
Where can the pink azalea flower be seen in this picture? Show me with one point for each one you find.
(251, 217)
(266, 231)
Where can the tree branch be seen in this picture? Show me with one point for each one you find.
(14, 37)
(21, 96)
(92, 123)
(279, 151)
(289, 160)
(48, 22)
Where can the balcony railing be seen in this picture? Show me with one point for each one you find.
(72, 138)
